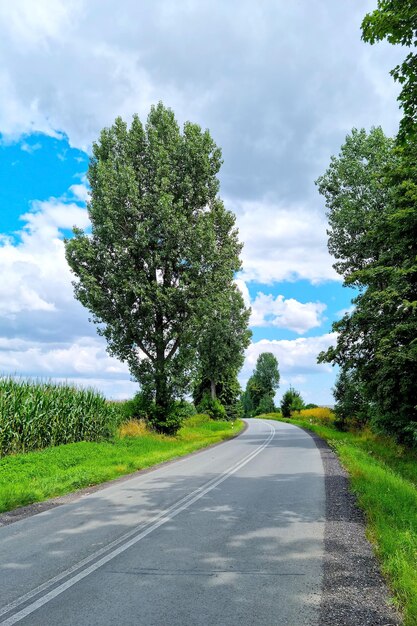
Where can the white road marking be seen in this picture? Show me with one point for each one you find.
(127, 543)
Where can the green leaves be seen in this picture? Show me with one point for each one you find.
(162, 247)
(396, 21)
(291, 401)
(357, 196)
(36, 415)
(370, 192)
(262, 385)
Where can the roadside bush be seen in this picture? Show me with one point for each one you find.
(234, 411)
(213, 407)
(228, 393)
(352, 407)
(137, 408)
(36, 415)
(291, 401)
(272, 416)
(197, 420)
(167, 422)
(188, 408)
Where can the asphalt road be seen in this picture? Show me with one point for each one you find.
(233, 535)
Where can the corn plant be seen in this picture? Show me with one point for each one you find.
(36, 414)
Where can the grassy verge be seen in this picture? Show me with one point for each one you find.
(36, 476)
(384, 477)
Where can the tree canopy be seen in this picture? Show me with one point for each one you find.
(162, 248)
(262, 386)
(223, 337)
(371, 195)
(396, 21)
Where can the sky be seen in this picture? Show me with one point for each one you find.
(279, 85)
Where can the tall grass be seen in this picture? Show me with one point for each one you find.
(319, 415)
(36, 415)
(383, 474)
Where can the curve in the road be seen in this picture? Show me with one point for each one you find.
(232, 535)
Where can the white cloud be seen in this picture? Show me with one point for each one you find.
(74, 65)
(38, 276)
(286, 313)
(241, 285)
(115, 389)
(347, 310)
(31, 25)
(297, 362)
(295, 356)
(283, 243)
(30, 147)
(80, 192)
(43, 330)
(86, 357)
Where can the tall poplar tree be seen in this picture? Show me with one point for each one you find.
(161, 247)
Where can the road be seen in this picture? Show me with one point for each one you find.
(230, 536)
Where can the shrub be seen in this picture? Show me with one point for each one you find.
(311, 406)
(291, 401)
(227, 392)
(188, 408)
(197, 420)
(137, 408)
(169, 421)
(351, 402)
(234, 411)
(213, 407)
(274, 415)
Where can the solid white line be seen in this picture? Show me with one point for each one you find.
(158, 521)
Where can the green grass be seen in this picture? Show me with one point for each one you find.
(383, 475)
(36, 476)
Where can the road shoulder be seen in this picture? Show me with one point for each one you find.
(354, 591)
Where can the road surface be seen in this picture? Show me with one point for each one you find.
(233, 535)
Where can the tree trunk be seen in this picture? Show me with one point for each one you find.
(161, 387)
(213, 389)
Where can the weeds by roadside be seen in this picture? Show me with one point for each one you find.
(383, 475)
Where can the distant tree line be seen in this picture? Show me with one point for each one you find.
(258, 397)
(370, 191)
(261, 387)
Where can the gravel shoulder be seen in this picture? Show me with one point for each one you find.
(354, 591)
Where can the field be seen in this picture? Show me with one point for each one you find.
(35, 415)
(383, 475)
(36, 476)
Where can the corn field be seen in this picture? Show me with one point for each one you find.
(36, 415)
